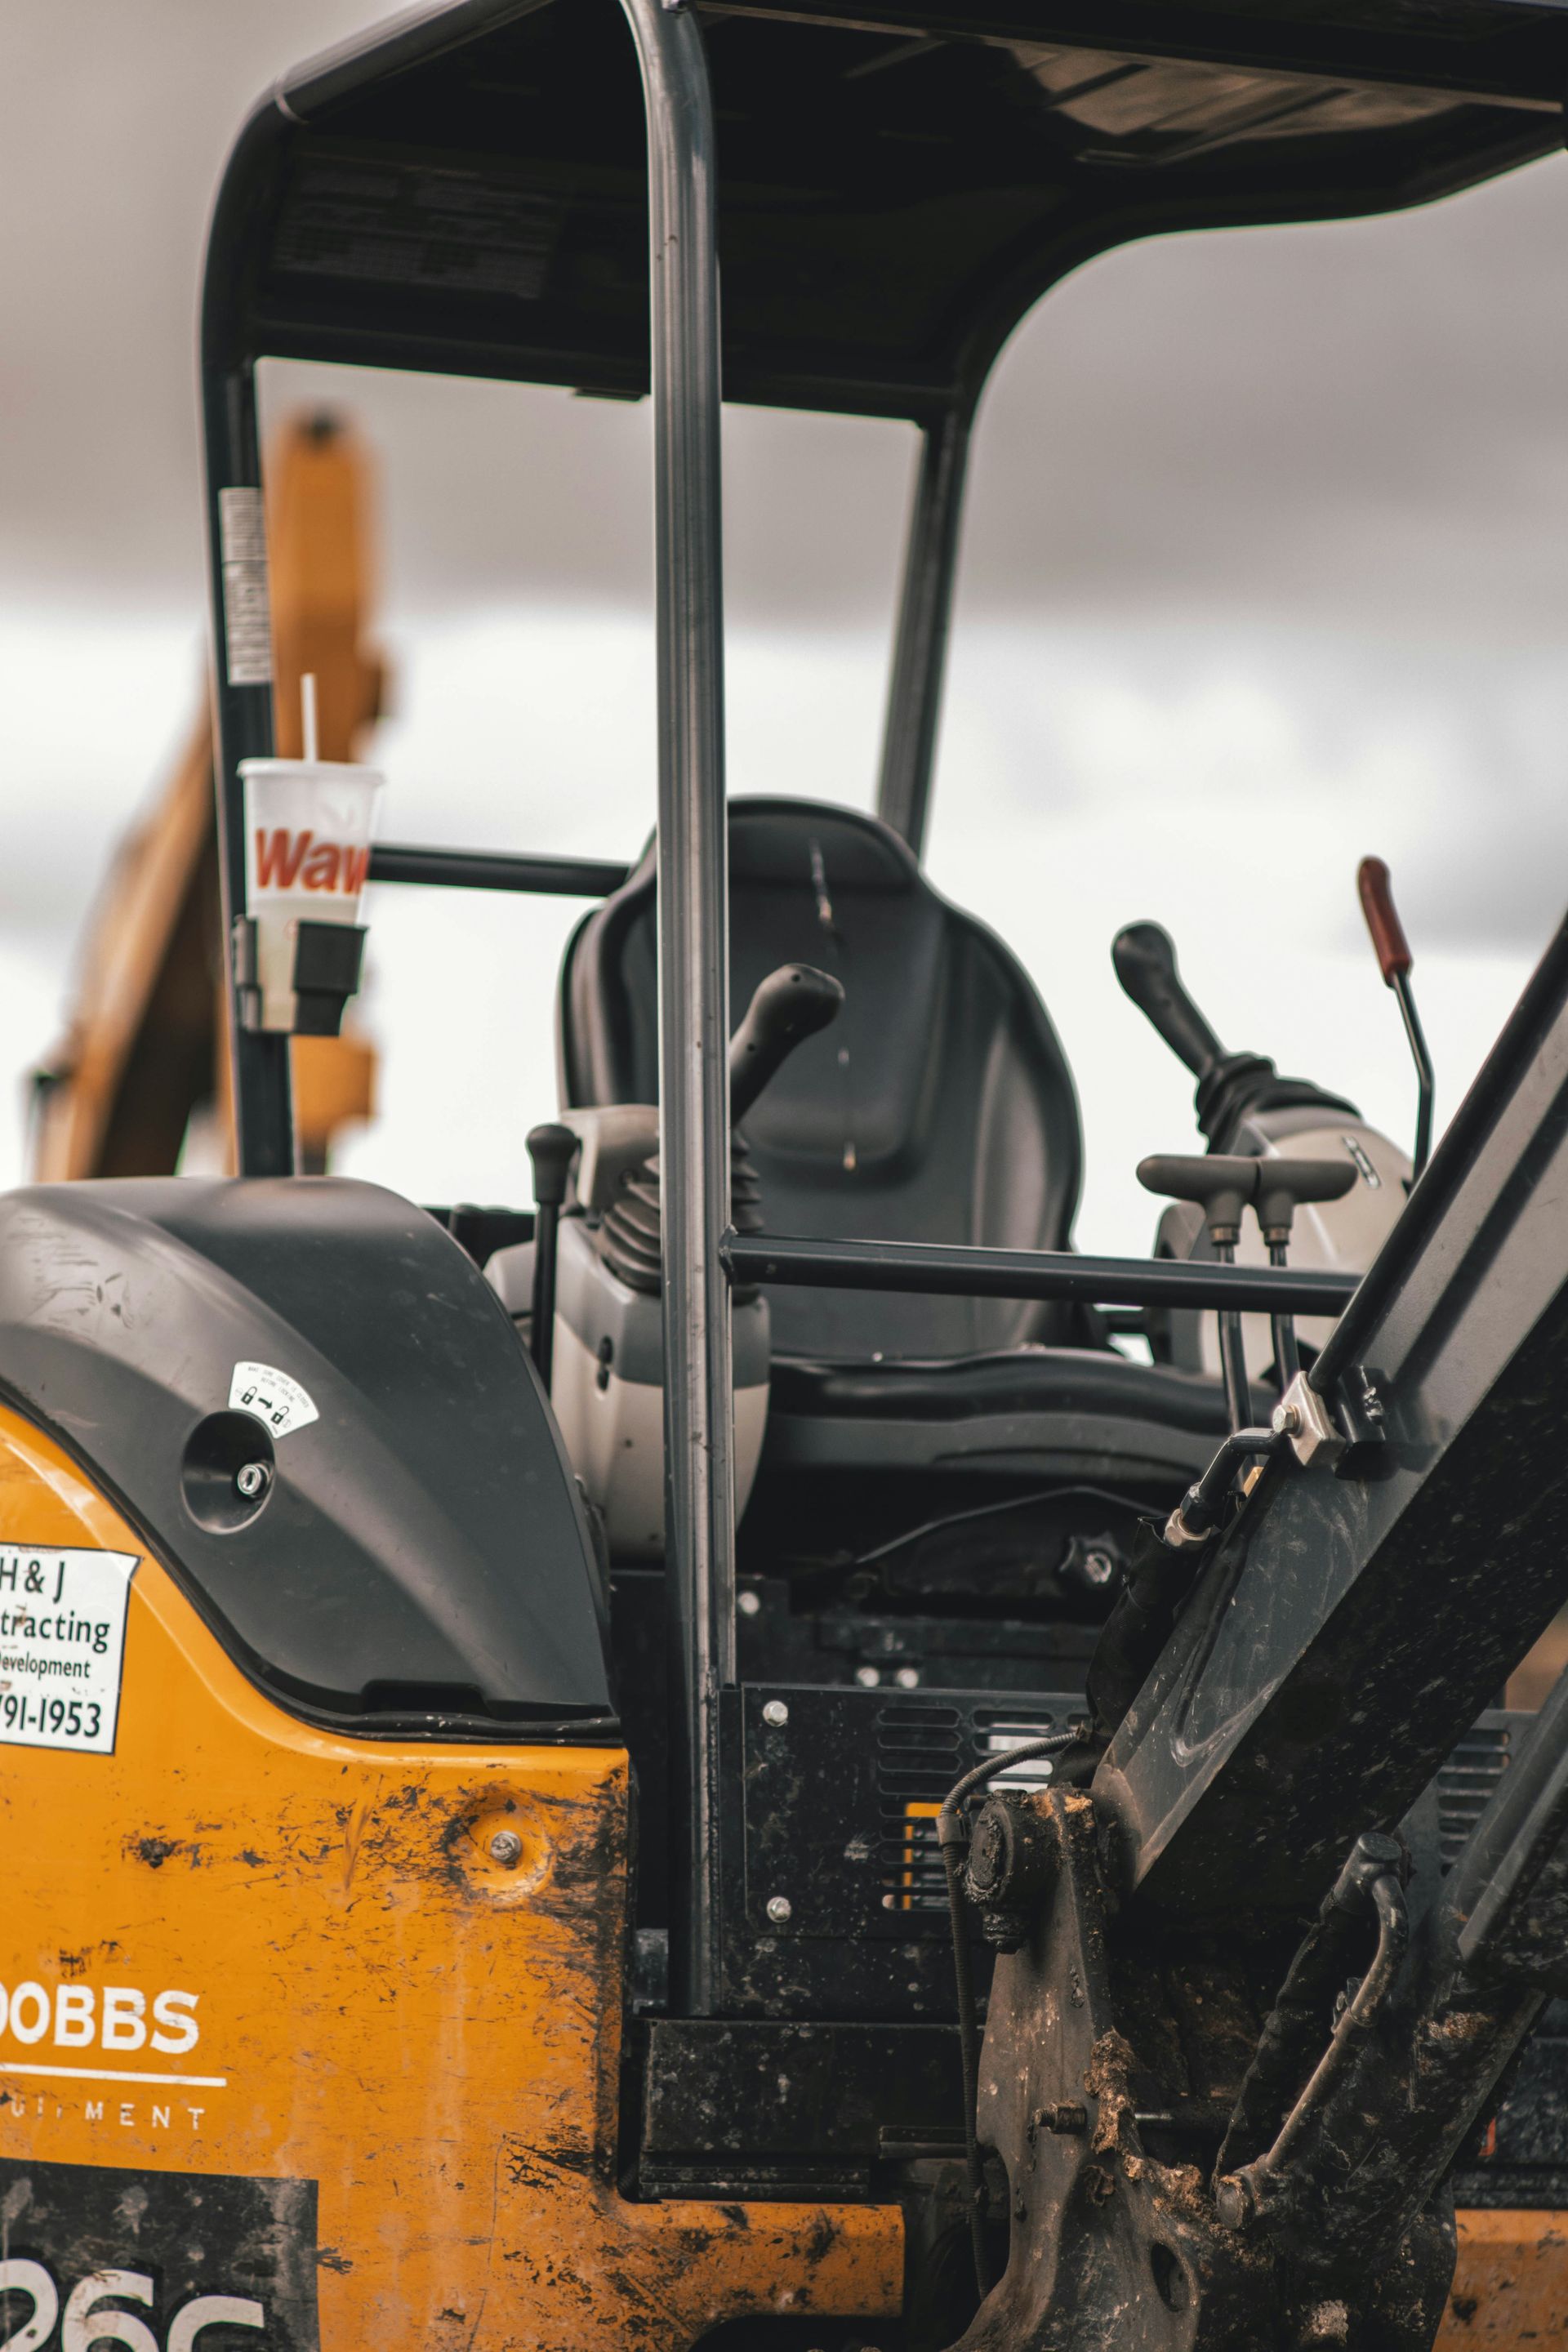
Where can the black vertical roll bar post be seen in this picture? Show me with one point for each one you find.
(693, 971)
(242, 670)
(920, 641)
(693, 943)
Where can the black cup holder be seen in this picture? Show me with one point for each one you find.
(228, 1471)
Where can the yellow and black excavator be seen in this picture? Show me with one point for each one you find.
(762, 1754)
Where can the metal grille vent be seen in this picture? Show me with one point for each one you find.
(1466, 1782)
(996, 1733)
(921, 1749)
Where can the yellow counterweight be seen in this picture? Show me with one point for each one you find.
(282, 2031)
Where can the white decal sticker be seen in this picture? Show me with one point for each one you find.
(62, 1637)
(247, 616)
(270, 1396)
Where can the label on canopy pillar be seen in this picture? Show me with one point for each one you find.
(246, 610)
(62, 1638)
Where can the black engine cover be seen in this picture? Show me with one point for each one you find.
(419, 1557)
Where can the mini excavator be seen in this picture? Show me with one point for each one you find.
(759, 1754)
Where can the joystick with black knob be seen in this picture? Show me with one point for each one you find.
(791, 1006)
(550, 1151)
(1145, 960)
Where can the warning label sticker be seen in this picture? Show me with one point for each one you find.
(62, 1640)
(247, 617)
(270, 1396)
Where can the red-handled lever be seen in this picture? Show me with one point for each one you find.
(1390, 945)
(1394, 961)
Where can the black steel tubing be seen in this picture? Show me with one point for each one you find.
(693, 974)
(940, 1269)
(495, 870)
(1233, 1353)
(925, 613)
(241, 672)
(1287, 1347)
(1425, 1083)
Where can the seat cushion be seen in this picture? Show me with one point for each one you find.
(1068, 1412)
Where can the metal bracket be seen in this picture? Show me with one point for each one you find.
(1303, 1417)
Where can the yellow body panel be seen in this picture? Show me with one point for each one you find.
(1510, 2290)
(433, 2038)
(382, 2008)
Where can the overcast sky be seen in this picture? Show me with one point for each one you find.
(1266, 567)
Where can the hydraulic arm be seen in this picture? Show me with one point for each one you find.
(1241, 2024)
(1402, 1549)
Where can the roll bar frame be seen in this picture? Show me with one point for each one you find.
(693, 970)
(693, 919)
(925, 616)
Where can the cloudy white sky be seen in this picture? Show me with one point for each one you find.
(1266, 567)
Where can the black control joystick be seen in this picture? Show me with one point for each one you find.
(1231, 1086)
(792, 1004)
(1145, 960)
(551, 1150)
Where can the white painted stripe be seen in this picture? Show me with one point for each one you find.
(94, 2074)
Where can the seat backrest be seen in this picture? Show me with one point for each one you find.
(937, 1107)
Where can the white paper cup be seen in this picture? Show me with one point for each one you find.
(307, 852)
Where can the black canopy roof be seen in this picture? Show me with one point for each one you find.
(464, 190)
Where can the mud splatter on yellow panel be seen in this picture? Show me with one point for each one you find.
(1510, 2289)
(381, 2007)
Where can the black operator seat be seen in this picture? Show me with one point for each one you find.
(939, 1106)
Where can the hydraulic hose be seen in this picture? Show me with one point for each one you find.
(1197, 1515)
(1248, 2192)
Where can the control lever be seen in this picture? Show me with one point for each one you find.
(550, 1151)
(1232, 1089)
(1145, 960)
(792, 1004)
(1394, 961)
(1283, 1187)
(1221, 1185)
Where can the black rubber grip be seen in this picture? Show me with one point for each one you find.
(791, 1005)
(551, 1150)
(1215, 1181)
(1145, 964)
(1286, 1185)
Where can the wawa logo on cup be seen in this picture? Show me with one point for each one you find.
(307, 853)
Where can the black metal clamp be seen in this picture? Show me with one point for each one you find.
(327, 963)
